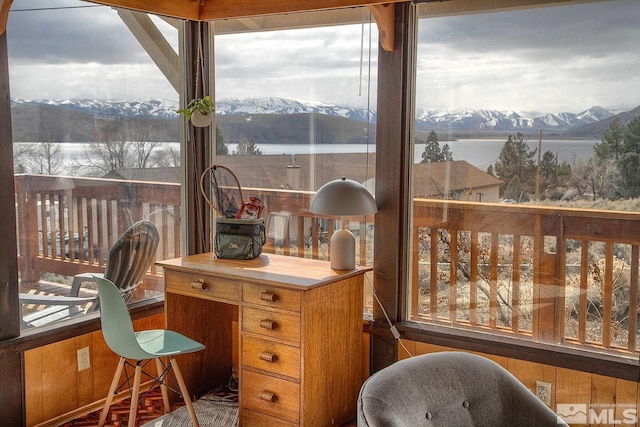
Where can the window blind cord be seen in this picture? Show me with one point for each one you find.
(394, 330)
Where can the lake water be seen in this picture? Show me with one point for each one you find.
(478, 152)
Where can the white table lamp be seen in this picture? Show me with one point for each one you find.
(343, 197)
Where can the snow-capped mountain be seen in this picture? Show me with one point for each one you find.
(492, 120)
(110, 108)
(426, 120)
(273, 105)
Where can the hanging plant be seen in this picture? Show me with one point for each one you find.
(199, 111)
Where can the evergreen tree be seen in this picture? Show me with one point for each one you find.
(548, 170)
(611, 146)
(632, 137)
(447, 155)
(515, 160)
(221, 147)
(563, 172)
(629, 168)
(432, 151)
(247, 147)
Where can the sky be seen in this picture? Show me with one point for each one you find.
(552, 59)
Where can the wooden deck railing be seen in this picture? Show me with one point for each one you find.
(563, 276)
(67, 224)
(552, 275)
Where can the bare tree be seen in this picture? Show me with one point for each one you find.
(49, 155)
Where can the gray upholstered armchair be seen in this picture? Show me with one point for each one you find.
(449, 389)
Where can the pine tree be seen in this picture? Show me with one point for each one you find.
(611, 146)
(515, 160)
(629, 168)
(432, 151)
(447, 155)
(247, 147)
(632, 137)
(221, 147)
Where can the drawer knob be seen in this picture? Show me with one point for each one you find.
(268, 296)
(268, 396)
(199, 284)
(268, 357)
(268, 324)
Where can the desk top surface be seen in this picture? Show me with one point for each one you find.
(267, 268)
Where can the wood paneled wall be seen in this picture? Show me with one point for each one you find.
(54, 387)
(568, 386)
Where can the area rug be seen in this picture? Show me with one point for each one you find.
(210, 413)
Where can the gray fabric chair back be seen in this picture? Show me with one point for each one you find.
(449, 389)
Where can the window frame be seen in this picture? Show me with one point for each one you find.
(397, 295)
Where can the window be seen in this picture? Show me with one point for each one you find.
(96, 147)
(295, 108)
(524, 180)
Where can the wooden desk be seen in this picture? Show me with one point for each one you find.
(292, 325)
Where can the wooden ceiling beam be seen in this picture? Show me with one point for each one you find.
(182, 9)
(249, 10)
(154, 43)
(5, 5)
(210, 10)
(385, 18)
(221, 9)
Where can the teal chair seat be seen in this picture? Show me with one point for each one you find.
(121, 338)
(159, 343)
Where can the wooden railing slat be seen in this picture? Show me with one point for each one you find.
(493, 281)
(433, 274)
(633, 298)
(607, 295)
(453, 277)
(515, 283)
(473, 280)
(584, 276)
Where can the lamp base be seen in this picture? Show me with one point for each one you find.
(343, 250)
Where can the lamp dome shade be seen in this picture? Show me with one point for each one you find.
(343, 197)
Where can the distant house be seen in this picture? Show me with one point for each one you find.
(165, 174)
(457, 180)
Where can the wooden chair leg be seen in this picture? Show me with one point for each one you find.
(133, 409)
(163, 387)
(112, 390)
(184, 391)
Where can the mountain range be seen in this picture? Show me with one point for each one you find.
(279, 120)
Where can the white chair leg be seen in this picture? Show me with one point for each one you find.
(184, 391)
(133, 409)
(163, 388)
(112, 390)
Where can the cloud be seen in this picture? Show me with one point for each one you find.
(69, 35)
(558, 58)
(551, 59)
(310, 64)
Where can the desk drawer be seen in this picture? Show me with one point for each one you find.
(271, 396)
(269, 296)
(271, 356)
(202, 286)
(270, 323)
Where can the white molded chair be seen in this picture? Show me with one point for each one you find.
(141, 346)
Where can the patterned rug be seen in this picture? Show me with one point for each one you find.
(210, 413)
(221, 406)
